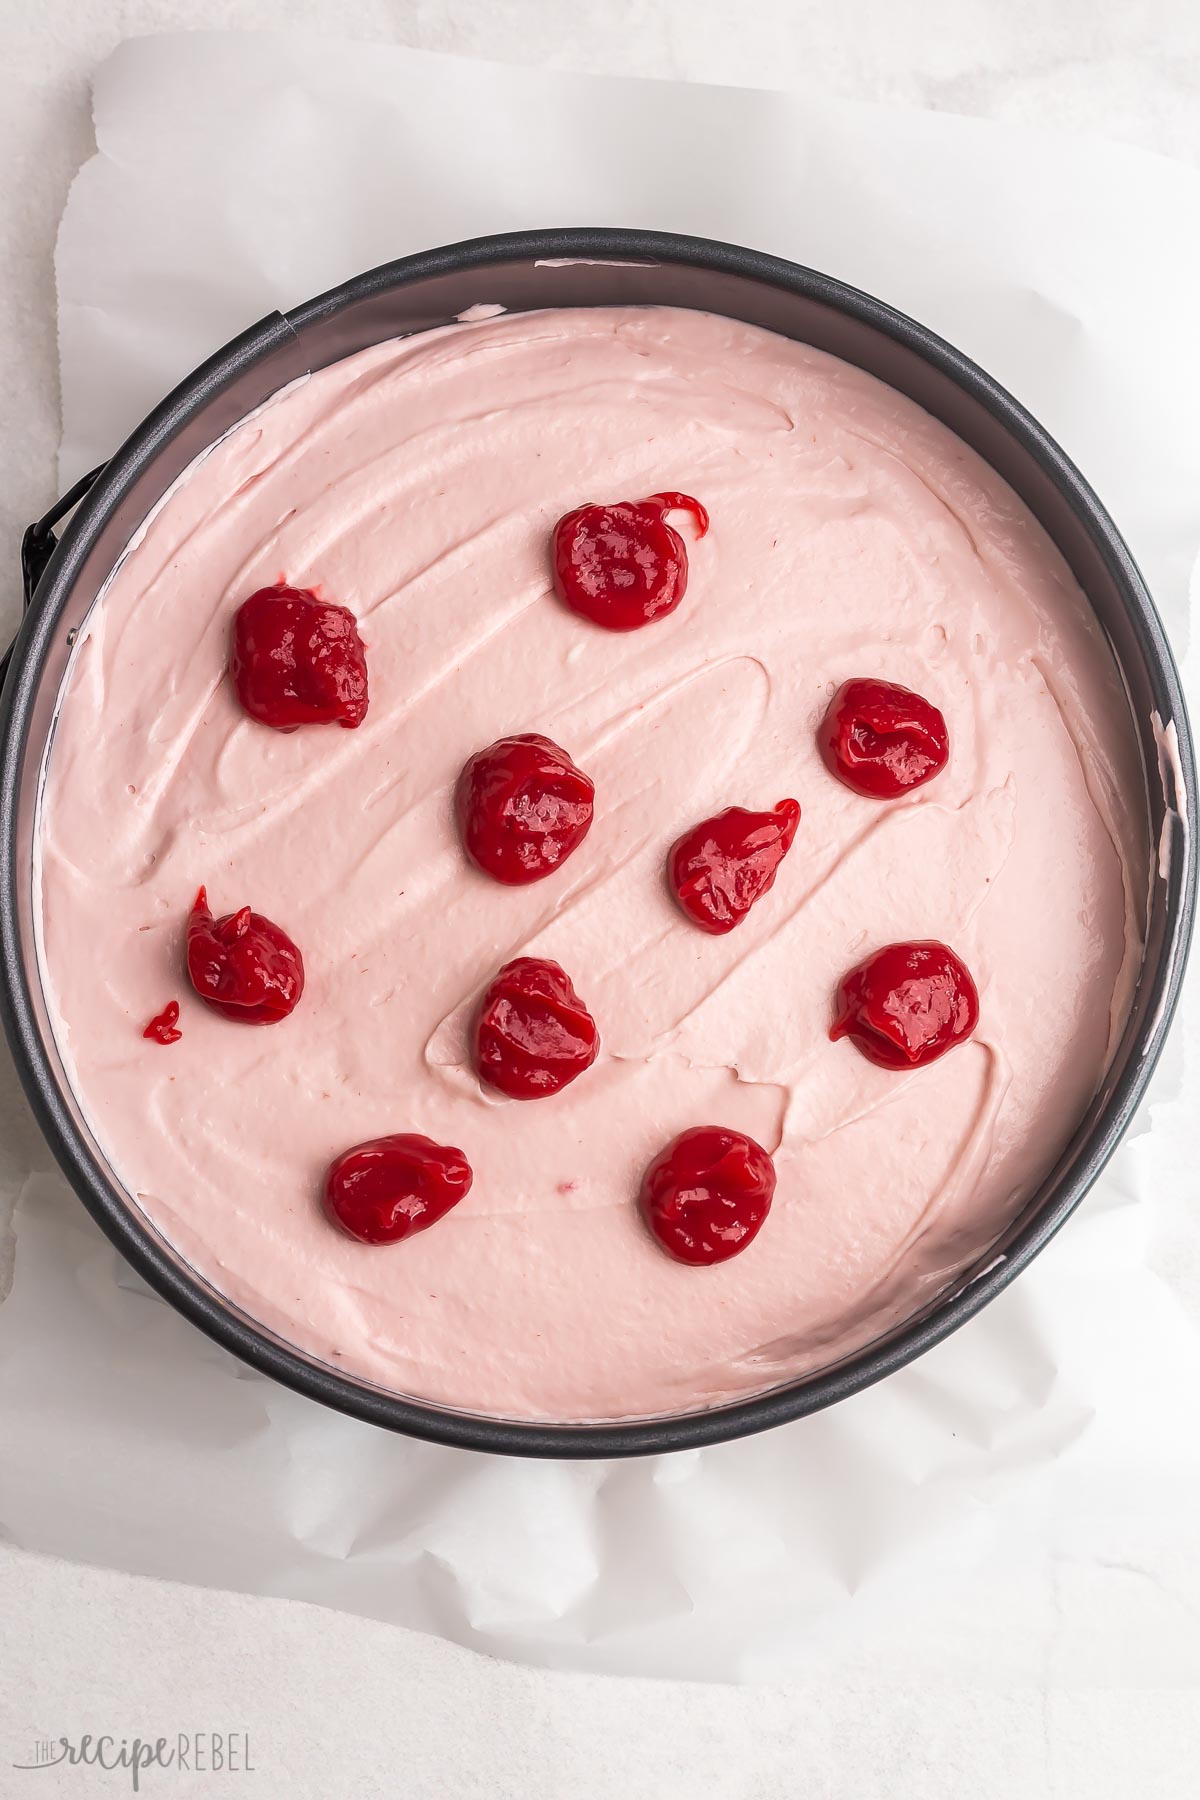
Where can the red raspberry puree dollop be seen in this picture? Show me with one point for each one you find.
(297, 660)
(533, 1034)
(164, 1026)
(243, 965)
(907, 1005)
(522, 808)
(622, 566)
(706, 1195)
(882, 739)
(391, 1187)
(719, 868)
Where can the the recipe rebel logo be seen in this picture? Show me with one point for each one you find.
(192, 1752)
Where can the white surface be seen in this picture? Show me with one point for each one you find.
(942, 1739)
(337, 1709)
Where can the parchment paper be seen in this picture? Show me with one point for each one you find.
(945, 1522)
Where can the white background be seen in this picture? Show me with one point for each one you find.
(336, 1706)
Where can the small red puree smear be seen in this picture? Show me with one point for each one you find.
(705, 1196)
(907, 1005)
(623, 565)
(722, 866)
(162, 1028)
(392, 1187)
(881, 739)
(532, 1033)
(522, 807)
(242, 965)
(296, 660)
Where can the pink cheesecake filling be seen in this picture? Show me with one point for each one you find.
(418, 484)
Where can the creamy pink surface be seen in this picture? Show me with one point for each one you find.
(418, 483)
